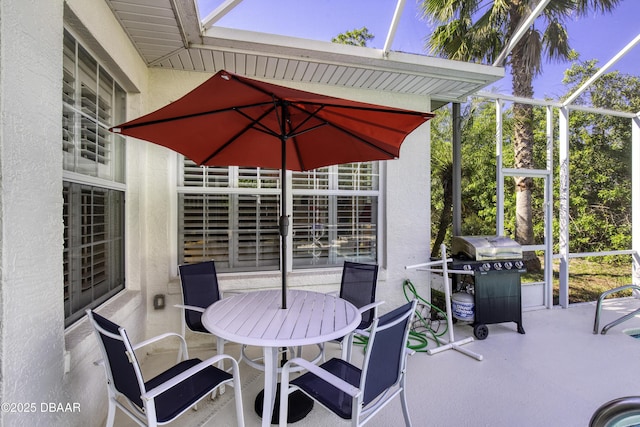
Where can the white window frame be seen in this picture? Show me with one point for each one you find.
(331, 192)
(107, 173)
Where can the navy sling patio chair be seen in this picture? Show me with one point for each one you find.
(200, 289)
(166, 396)
(353, 393)
(358, 286)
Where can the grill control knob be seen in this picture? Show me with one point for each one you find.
(508, 265)
(519, 264)
(497, 266)
(486, 266)
(466, 267)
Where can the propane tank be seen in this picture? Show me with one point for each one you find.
(463, 306)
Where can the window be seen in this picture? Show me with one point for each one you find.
(93, 187)
(335, 215)
(93, 246)
(230, 214)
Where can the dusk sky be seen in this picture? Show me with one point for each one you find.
(595, 37)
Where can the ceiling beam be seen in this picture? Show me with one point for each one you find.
(602, 70)
(217, 14)
(186, 15)
(394, 26)
(233, 40)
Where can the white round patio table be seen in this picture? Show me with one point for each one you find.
(256, 318)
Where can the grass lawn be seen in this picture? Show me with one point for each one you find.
(588, 278)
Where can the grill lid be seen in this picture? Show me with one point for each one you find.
(481, 248)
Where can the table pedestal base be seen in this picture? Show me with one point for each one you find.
(299, 406)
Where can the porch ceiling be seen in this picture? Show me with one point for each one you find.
(169, 34)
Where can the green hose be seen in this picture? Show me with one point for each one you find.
(422, 324)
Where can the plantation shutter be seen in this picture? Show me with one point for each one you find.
(335, 212)
(93, 181)
(93, 257)
(224, 215)
(205, 228)
(312, 232)
(357, 227)
(258, 240)
(92, 102)
(230, 214)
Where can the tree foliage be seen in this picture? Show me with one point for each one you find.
(357, 37)
(479, 30)
(600, 165)
(600, 161)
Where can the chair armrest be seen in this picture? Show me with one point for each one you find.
(363, 332)
(190, 307)
(373, 305)
(225, 293)
(337, 382)
(183, 343)
(154, 392)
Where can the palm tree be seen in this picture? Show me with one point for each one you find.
(442, 173)
(478, 30)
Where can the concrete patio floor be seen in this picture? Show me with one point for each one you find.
(557, 374)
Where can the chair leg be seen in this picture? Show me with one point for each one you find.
(219, 350)
(111, 412)
(237, 393)
(356, 412)
(150, 410)
(405, 407)
(347, 345)
(284, 397)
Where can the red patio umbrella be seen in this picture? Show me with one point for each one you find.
(231, 120)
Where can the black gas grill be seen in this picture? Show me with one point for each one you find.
(489, 268)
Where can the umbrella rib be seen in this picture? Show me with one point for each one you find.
(366, 142)
(345, 131)
(294, 131)
(372, 108)
(258, 122)
(252, 122)
(189, 116)
(310, 115)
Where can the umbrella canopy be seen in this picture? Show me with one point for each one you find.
(231, 120)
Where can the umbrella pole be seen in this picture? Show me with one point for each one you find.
(284, 220)
(284, 228)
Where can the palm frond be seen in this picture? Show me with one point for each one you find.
(584, 7)
(555, 42)
(532, 51)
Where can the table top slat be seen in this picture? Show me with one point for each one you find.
(257, 313)
(256, 318)
(307, 318)
(329, 319)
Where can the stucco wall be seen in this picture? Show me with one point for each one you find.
(408, 219)
(35, 350)
(31, 311)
